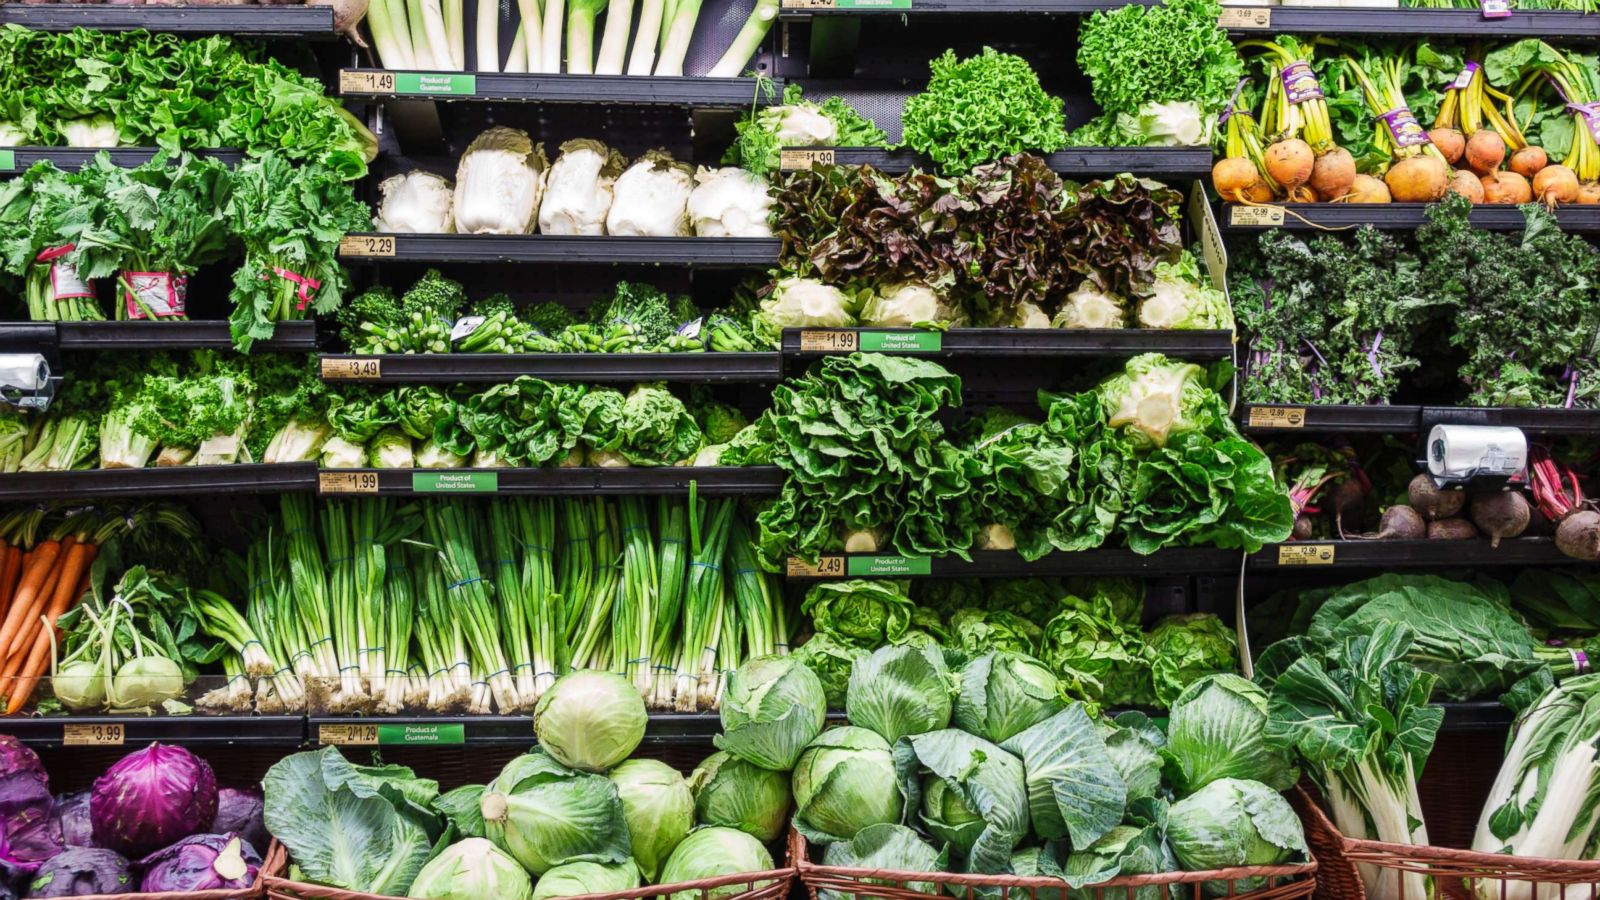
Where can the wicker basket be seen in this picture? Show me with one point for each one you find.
(771, 885)
(1282, 882)
(256, 890)
(1453, 872)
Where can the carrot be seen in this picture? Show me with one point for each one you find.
(37, 602)
(75, 563)
(41, 562)
(10, 571)
(60, 601)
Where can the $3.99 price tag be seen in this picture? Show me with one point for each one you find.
(94, 734)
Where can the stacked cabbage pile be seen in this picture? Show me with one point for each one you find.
(986, 770)
(575, 816)
(154, 822)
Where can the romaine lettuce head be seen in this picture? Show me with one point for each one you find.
(900, 690)
(1003, 693)
(731, 792)
(844, 782)
(801, 302)
(832, 660)
(864, 612)
(1216, 729)
(908, 305)
(1155, 398)
(1232, 822)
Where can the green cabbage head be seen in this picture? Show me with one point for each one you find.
(731, 792)
(658, 807)
(545, 814)
(712, 852)
(471, 870)
(844, 782)
(1232, 822)
(773, 707)
(590, 720)
(1216, 730)
(579, 878)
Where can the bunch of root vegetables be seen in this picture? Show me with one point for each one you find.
(1475, 147)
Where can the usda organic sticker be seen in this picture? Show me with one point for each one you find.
(455, 482)
(887, 566)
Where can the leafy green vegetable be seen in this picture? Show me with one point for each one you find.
(1187, 648)
(844, 782)
(1108, 661)
(980, 109)
(1003, 693)
(951, 775)
(832, 660)
(1234, 822)
(797, 122)
(867, 613)
(900, 690)
(1074, 789)
(1216, 729)
(894, 848)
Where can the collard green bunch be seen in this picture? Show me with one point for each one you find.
(980, 109)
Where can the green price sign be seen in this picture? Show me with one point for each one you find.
(410, 735)
(435, 83)
(902, 341)
(887, 566)
(455, 482)
(8, 160)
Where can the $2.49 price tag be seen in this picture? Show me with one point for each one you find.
(826, 567)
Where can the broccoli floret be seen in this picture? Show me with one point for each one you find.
(377, 306)
(645, 308)
(549, 317)
(499, 303)
(435, 296)
(684, 310)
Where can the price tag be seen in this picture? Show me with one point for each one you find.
(366, 245)
(1255, 216)
(220, 445)
(8, 160)
(1305, 554)
(1495, 9)
(829, 341)
(902, 341)
(353, 482)
(887, 566)
(791, 160)
(1245, 17)
(97, 734)
(1277, 417)
(366, 82)
(826, 567)
(348, 735)
(455, 482)
(810, 4)
(361, 368)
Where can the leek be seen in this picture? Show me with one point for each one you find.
(488, 51)
(643, 59)
(390, 35)
(580, 35)
(518, 60)
(455, 27)
(550, 53)
(614, 44)
(679, 30)
(747, 42)
(422, 49)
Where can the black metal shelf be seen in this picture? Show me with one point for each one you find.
(14, 160)
(1156, 162)
(1476, 715)
(193, 335)
(456, 368)
(1423, 554)
(690, 92)
(1281, 419)
(490, 730)
(84, 483)
(1030, 342)
(137, 731)
(1389, 217)
(1457, 22)
(1008, 564)
(303, 22)
(721, 481)
(560, 249)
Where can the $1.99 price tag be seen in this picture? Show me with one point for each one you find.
(829, 341)
(347, 482)
(96, 734)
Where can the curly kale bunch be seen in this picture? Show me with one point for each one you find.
(980, 109)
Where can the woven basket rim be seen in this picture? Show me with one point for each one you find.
(278, 861)
(1370, 851)
(806, 867)
(257, 888)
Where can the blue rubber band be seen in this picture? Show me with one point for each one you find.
(466, 582)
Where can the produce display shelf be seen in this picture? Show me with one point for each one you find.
(302, 22)
(1170, 162)
(158, 482)
(619, 90)
(1272, 419)
(1008, 564)
(15, 160)
(560, 249)
(808, 343)
(1538, 421)
(505, 730)
(193, 335)
(455, 368)
(1390, 216)
(718, 481)
(1423, 554)
(134, 731)
(1476, 715)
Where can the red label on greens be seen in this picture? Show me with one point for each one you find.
(1404, 128)
(160, 295)
(1300, 83)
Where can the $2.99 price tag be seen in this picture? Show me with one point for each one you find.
(95, 734)
(1305, 554)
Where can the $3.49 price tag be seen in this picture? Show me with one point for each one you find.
(95, 734)
(364, 368)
